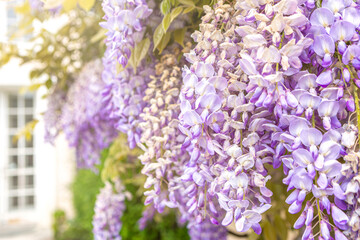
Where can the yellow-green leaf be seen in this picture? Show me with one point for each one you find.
(23, 9)
(99, 35)
(166, 22)
(175, 12)
(164, 41)
(187, 2)
(141, 49)
(26, 131)
(188, 9)
(86, 4)
(281, 228)
(69, 5)
(179, 35)
(158, 35)
(31, 88)
(269, 231)
(165, 6)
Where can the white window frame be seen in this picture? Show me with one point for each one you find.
(7, 214)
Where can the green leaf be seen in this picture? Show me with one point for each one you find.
(141, 49)
(26, 131)
(164, 41)
(166, 22)
(48, 83)
(158, 35)
(179, 35)
(86, 4)
(188, 9)
(23, 9)
(31, 88)
(269, 231)
(69, 5)
(100, 35)
(187, 2)
(175, 12)
(165, 7)
(281, 228)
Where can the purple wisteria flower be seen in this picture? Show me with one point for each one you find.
(124, 90)
(109, 208)
(85, 119)
(227, 103)
(123, 22)
(207, 231)
(160, 139)
(52, 115)
(247, 101)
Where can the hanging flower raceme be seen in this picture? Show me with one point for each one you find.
(109, 208)
(206, 230)
(228, 102)
(351, 171)
(160, 139)
(313, 132)
(124, 91)
(85, 120)
(123, 20)
(52, 115)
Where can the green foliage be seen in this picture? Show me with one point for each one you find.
(58, 56)
(164, 227)
(173, 9)
(86, 186)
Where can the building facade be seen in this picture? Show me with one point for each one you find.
(34, 176)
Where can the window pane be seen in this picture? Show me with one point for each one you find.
(29, 161)
(29, 181)
(14, 202)
(29, 201)
(13, 121)
(12, 143)
(13, 101)
(28, 118)
(29, 101)
(29, 143)
(13, 182)
(13, 161)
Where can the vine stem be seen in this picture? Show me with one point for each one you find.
(356, 96)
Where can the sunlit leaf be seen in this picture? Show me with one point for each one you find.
(158, 35)
(141, 49)
(188, 9)
(27, 131)
(269, 230)
(187, 2)
(281, 228)
(179, 35)
(175, 12)
(69, 5)
(166, 22)
(24, 8)
(100, 35)
(164, 42)
(86, 4)
(31, 88)
(165, 7)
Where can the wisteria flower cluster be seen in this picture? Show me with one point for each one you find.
(81, 115)
(124, 91)
(268, 87)
(85, 121)
(109, 208)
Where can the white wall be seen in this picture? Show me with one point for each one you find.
(54, 166)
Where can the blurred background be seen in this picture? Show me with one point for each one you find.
(35, 177)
